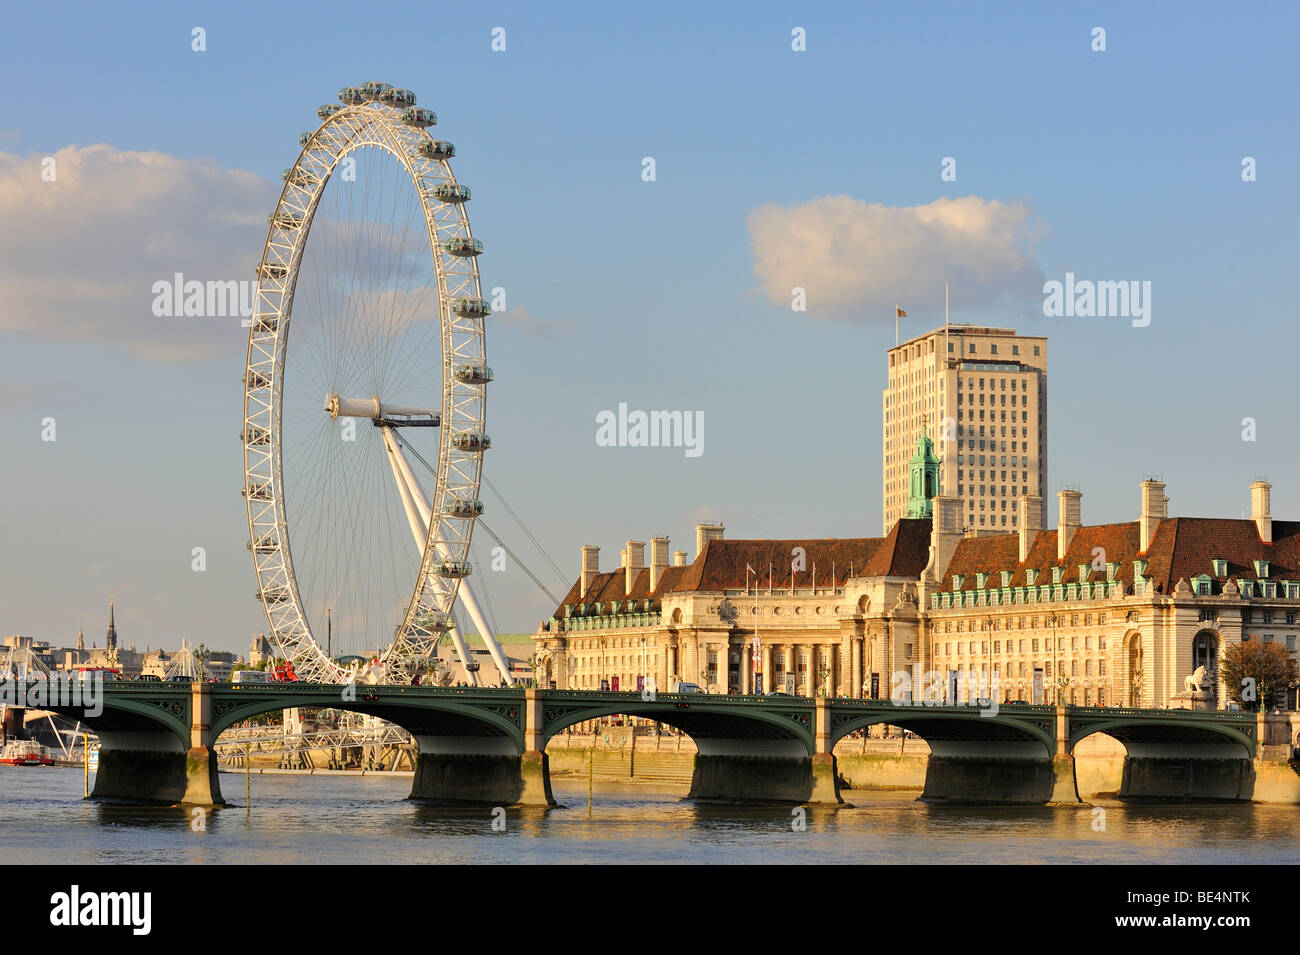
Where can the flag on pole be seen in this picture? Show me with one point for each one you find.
(899, 313)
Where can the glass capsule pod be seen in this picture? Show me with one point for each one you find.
(270, 270)
(284, 220)
(419, 117)
(275, 595)
(304, 138)
(472, 441)
(351, 96)
(297, 177)
(328, 110)
(437, 149)
(451, 192)
(258, 492)
(266, 544)
(461, 246)
(393, 96)
(463, 507)
(374, 89)
(435, 622)
(454, 569)
(471, 307)
(266, 323)
(255, 435)
(474, 374)
(257, 379)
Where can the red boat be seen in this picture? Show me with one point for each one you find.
(25, 752)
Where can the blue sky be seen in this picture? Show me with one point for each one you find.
(1126, 164)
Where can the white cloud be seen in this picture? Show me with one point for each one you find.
(858, 260)
(79, 255)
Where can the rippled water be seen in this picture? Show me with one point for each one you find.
(335, 819)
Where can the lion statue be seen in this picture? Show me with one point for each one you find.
(1197, 682)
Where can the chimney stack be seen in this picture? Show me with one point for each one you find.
(1259, 512)
(1155, 508)
(1070, 519)
(658, 561)
(590, 568)
(679, 558)
(635, 563)
(945, 532)
(705, 533)
(1031, 522)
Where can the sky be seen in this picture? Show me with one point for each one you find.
(792, 146)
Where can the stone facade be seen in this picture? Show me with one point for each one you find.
(1103, 615)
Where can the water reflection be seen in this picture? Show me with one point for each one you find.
(339, 819)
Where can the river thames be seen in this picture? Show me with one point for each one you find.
(343, 819)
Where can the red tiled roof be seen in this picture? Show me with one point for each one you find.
(723, 564)
(1181, 547)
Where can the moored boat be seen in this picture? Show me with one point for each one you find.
(25, 752)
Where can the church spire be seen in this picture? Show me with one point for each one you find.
(112, 628)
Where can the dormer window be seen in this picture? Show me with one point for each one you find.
(1112, 568)
(1261, 568)
(1006, 578)
(1031, 576)
(980, 581)
(957, 581)
(1083, 572)
(1056, 575)
(1247, 587)
(1220, 567)
(1202, 586)
(1139, 568)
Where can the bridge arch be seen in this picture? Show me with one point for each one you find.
(950, 730)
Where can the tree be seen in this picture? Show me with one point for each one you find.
(1258, 674)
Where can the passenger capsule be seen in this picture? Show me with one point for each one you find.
(437, 149)
(472, 441)
(451, 192)
(435, 622)
(397, 97)
(328, 110)
(471, 307)
(419, 117)
(284, 220)
(461, 246)
(267, 324)
(463, 507)
(257, 379)
(474, 374)
(256, 435)
(374, 89)
(270, 270)
(297, 177)
(351, 96)
(454, 569)
(266, 544)
(304, 138)
(258, 492)
(274, 595)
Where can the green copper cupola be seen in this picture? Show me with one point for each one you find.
(924, 481)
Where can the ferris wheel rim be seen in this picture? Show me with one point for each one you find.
(343, 131)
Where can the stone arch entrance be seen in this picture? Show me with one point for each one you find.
(1206, 647)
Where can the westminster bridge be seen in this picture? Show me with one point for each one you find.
(488, 746)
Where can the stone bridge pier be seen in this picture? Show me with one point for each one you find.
(160, 760)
